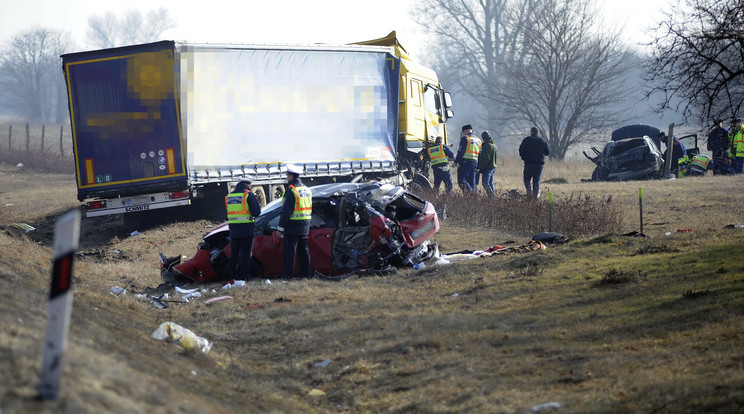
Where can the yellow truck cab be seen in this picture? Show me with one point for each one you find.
(424, 106)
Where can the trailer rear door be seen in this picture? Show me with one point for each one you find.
(125, 120)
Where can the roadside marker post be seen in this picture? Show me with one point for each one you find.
(550, 211)
(640, 206)
(66, 239)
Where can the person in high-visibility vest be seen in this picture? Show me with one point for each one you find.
(242, 209)
(700, 164)
(439, 156)
(467, 159)
(736, 146)
(294, 223)
(533, 150)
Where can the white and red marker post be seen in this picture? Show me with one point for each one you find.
(66, 239)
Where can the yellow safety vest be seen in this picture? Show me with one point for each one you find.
(701, 160)
(736, 143)
(238, 211)
(472, 149)
(437, 155)
(303, 208)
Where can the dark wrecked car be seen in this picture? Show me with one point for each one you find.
(371, 227)
(628, 158)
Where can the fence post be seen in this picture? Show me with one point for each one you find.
(28, 139)
(10, 135)
(61, 150)
(43, 128)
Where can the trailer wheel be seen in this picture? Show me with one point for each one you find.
(260, 194)
(277, 191)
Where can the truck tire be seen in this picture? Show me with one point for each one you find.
(419, 184)
(260, 194)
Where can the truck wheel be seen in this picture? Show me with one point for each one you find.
(419, 185)
(260, 194)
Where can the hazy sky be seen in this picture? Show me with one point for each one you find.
(275, 21)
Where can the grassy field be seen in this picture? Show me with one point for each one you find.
(604, 323)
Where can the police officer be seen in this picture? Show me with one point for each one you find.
(467, 159)
(439, 155)
(242, 209)
(294, 223)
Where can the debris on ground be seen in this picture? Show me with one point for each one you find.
(494, 250)
(218, 299)
(23, 226)
(181, 337)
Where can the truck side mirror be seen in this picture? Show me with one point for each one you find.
(448, 100)
(450, 114)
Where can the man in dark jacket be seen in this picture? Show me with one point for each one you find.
(533, 150)
(487, 162)
(242, 209)
(294, 223)
(717, 138)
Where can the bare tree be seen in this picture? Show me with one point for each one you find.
(568, 76)
(542, 62)
(30, 74)
(108, 30)
(698, 59)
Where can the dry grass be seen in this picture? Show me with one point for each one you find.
(496, 334)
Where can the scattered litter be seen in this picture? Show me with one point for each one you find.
(183, 291)
(546, 406)
(419, 266)
(322, 364)
(116, 291)
(684, 230)
(117, 251)
(193, 295)
(454, 295)
(20, 164)
(23, 226)
(218, 299)
(316, 393)
(669, 233)
(135, 233)
(734, 226)
(267, 282)
(9, 204)
(181, 337)
(233, 283)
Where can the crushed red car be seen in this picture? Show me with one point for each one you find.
(371, 227)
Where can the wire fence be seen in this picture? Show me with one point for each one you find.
(48, 140)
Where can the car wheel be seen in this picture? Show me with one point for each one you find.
(600, 174)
